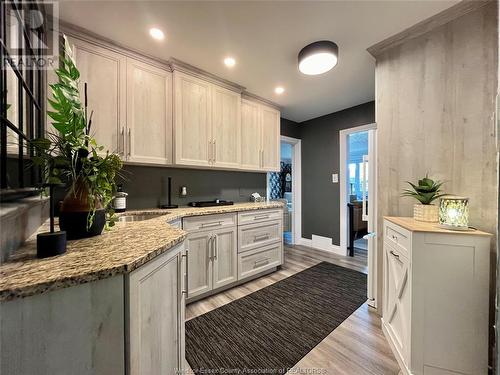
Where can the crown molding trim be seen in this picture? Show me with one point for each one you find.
(429, 24)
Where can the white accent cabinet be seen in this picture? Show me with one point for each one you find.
(435, 308)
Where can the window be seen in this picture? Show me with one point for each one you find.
(22, 97)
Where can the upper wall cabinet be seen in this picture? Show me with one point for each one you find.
(131, 102)
(251, 135)
(270, 118)
(149, 113)
(226, 127)
(207, 123)
(260, 137)
(192, 121)
(104, 71)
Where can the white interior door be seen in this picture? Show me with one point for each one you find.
(370, 212)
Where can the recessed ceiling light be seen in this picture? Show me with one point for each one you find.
(279, 90)
(318, 57)
(156, 33)
(229, 62)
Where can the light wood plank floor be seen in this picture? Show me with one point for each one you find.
(357, 346)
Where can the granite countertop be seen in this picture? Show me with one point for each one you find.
(413, 225)
(120, 250)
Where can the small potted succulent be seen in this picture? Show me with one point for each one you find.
(425, 192)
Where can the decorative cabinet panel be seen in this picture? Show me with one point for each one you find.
(149, 113)
(156, 315)
(251, 135)
(260, 137)
(104, 71)
(435, 308)
(226, 128)
(192, 121)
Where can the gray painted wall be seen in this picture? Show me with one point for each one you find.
(320, 158)
(290, 128)
(146, 189)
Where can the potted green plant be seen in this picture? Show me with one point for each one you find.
(71, 156)
(425, 192)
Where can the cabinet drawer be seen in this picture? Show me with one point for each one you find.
(209, 222)
(398, 237)
(259, 215)
(258, 234)
(254, 261)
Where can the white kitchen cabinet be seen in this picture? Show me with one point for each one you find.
(104, 71)
(212, 259)
(260, 137)
(251, 135)
(199, 264)
(435, 308)
(156, 303)
(270, 139)
(224, 257)
(226, 128)
(149, 113)
(192, 121)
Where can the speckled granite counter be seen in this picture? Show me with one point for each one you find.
(121, 250)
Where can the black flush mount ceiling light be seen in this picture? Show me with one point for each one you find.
(318, 57)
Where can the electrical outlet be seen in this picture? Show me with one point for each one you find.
(335, 178)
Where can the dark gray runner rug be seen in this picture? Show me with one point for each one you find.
(270, 330)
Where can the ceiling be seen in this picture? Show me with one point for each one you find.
(264, 37)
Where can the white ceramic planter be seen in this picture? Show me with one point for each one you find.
(426, 212)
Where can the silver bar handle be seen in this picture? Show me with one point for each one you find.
(185, 291)
(216, 247)
(214, 158)
(209, 151)
(261, 261)
(208, 225)
(129, 141)
(261, 237)
(209, 247)
(122, 141)
(259, 217)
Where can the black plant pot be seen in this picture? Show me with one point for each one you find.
(75, 224)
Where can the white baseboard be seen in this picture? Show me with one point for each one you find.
(321, 243)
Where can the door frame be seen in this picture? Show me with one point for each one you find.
(296, 186)
(343, 134)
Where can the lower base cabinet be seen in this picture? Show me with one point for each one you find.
(435, 308)
(127, 324)
(156, 304)
(212, 258)
(226, 249)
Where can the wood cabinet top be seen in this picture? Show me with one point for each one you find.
(413, 225)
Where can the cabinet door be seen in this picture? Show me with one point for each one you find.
(226, 127)
(251, 136)
(270, 139)
(104, 71)
(192, 120)
(225, 257)
(199, 265)
(149, 113)
(155, 311)
(397, 299)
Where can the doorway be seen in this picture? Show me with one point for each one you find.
(285, 186)
(358, 209)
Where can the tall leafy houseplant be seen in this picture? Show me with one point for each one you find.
(72, 156)
(425, 192)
